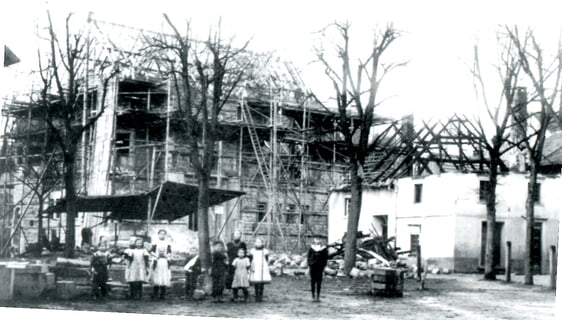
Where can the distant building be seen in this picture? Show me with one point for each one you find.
(445, 211)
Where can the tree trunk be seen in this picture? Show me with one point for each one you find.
(40, 221)
(70, 196)
(489, 272)
(353, 219)
(530, 219)
(203, 226)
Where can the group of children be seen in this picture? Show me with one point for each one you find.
(139, 268)
(244, 269)
(234, 268)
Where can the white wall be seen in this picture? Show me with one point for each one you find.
(451, 216)
(434, 214)
(375, 202)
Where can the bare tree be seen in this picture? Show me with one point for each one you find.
(61, 107)
(204, 76)
(543, 74)
(493, 129)
(356, 88)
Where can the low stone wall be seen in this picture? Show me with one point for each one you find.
(25, 280)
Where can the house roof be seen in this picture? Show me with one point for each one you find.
(552, 150)
(172, 201)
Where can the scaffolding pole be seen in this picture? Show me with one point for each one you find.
(302, 175)
(167, 145)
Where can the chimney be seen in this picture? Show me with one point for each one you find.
(407, 135)
(520, 113)
(519, 129)
(407, 129)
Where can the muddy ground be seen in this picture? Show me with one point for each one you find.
(455, 296)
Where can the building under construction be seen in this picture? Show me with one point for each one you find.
(277, 159)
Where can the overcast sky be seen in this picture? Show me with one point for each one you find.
(437, 37)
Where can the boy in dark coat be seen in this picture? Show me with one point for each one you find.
(99, 264)
(219, 268)
(317, 260)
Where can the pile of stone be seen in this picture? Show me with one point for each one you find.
(297, 265)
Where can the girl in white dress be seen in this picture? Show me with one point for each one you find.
(160, 277)
(241, 278)
(259, 269)
(137, 267)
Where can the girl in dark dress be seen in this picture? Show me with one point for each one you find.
(317, 260)
(219, 269)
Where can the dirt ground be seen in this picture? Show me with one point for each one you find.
(455, 296)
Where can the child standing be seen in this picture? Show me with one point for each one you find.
(161, 274)
(241, 280)
(317, 259)
(259, 269)
(218, 270)
(192, 272)
(99, 264)
(137, 268)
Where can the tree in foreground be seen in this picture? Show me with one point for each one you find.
(356, 88)
(204, 75)
(62, 67)
(494, 129)
(542, 71)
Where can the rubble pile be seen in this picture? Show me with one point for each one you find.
(372, 253)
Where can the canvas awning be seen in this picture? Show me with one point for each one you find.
(169, 201)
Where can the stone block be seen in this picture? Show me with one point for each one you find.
(41, 268)
(66, 289)
(5, 275)
(29, 284)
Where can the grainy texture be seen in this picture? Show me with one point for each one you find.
(447, 296)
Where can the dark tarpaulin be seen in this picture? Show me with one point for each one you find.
(173, 201)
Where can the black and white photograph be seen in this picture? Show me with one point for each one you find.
(280, 159)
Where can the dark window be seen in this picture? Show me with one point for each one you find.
(290, 218)
(347, 208)
(536, 248)
(414, 243)
(418, 193)
(497, 243)
(122, 142)
(484, 190)
(262, 210)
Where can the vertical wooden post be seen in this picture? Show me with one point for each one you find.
(419, 262)
(116, 235)
(552, 265)
(12, 282)
(508, 261)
